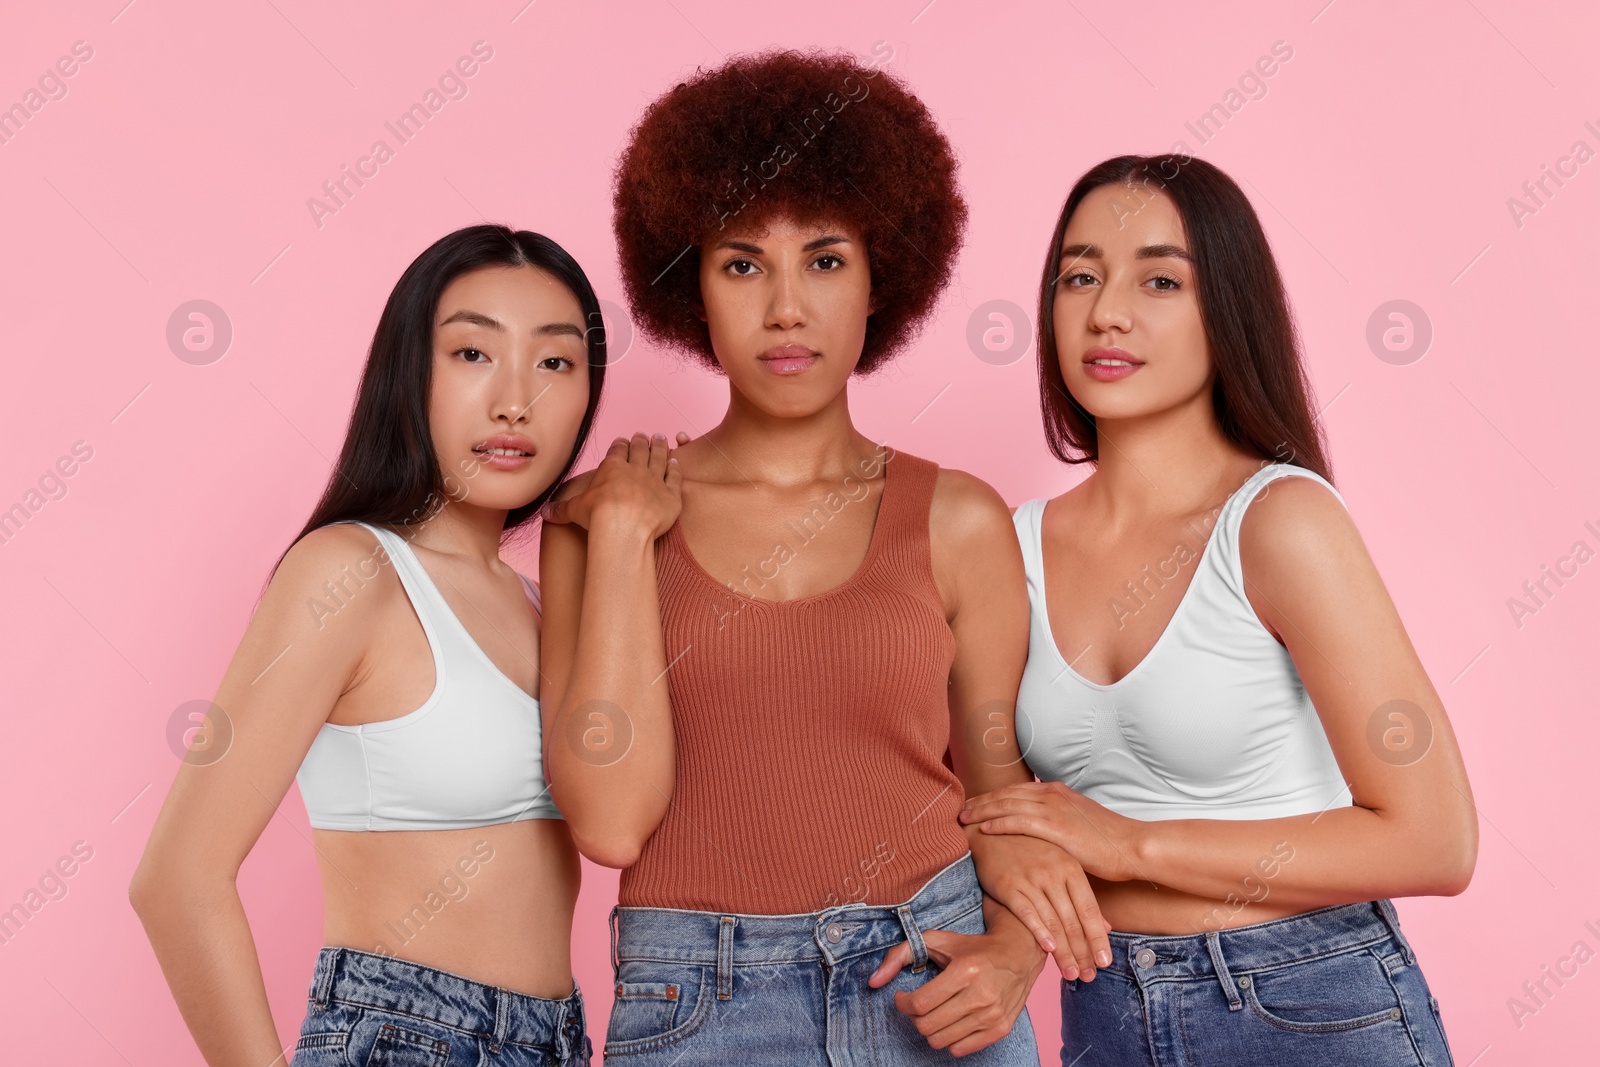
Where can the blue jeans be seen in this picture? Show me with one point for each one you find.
(1327, 988)
(371, 1009)
(703, 987)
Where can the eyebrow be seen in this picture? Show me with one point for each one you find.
(1146, 252)
(478, 318)
(810, 246)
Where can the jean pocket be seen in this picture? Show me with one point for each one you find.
(1347, 991)
(655, 1005)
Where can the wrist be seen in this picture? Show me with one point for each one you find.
(1142, 843)
(619, 530)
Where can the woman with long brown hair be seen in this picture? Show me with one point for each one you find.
(1234, 736)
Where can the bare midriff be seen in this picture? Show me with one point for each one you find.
(1147, 908)
(492, 903)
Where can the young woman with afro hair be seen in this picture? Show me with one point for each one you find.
(782, 654)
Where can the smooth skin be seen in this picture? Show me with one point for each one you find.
(1164, 469)
(784, 443)
(509, 356)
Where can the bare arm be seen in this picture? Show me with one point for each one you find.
(609, 743)
(282, 683)
(1412, 827)
(1035, 886)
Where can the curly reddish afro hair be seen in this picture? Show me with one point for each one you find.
(810, 135)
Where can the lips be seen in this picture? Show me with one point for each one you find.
(1111, 357)
(503, 443)
(788, 359)
(1110, 364)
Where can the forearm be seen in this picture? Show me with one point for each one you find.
(1340, 856)
(202, 940)
(612, 757)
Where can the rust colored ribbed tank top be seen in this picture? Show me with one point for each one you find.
(810, 733)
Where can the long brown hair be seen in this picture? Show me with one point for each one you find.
(1260, 395)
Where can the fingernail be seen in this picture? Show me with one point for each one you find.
(1070, 973)
(1104, 957)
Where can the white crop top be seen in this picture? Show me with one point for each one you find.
(1213, 723)
(469, 756)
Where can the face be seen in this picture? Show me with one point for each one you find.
(1127, 316)
(786, 307)
(510, 384)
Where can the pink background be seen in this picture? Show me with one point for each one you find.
(178, 166)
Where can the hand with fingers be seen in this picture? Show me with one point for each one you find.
(1102, 841)
(1048, 891)
(977, 995)
(637, 484)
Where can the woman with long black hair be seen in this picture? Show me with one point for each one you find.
(392, 666)
(1233, 733)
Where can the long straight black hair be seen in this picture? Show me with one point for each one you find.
(1260, 395)
(387, 473)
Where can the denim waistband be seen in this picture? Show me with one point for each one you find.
(366, 979)
(1225, 955)
(672, 935)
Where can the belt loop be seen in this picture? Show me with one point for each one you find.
(611, 925)
(725, 957)
(1391, 919)
(322, 980)
(502, 1019)
(1214, 946)
(919, 948)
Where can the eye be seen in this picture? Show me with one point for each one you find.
(1165, 283)
(1070, 279)
(732, 264)
(562, 362)
(472, 351)
(826, 258)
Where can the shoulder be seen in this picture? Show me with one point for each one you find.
(348, 556)
(1294, 526)
(330, 549)
(966, 510)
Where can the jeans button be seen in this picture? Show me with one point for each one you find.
(1144, 957)
(834, 933)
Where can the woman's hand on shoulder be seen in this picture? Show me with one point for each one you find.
(636, 486)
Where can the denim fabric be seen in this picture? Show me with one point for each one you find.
(701, 987)
(1327, 988)
(371, 1010)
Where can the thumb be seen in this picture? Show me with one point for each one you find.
(940, 945)
(555, 511)
(893, 962)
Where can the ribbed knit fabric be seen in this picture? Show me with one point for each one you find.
(810, 733)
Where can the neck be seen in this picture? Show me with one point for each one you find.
(459, 529)
(788, 450)
(1176, 460)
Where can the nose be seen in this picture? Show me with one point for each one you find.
(513, 397)
(1111, 310)
(785, 310)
